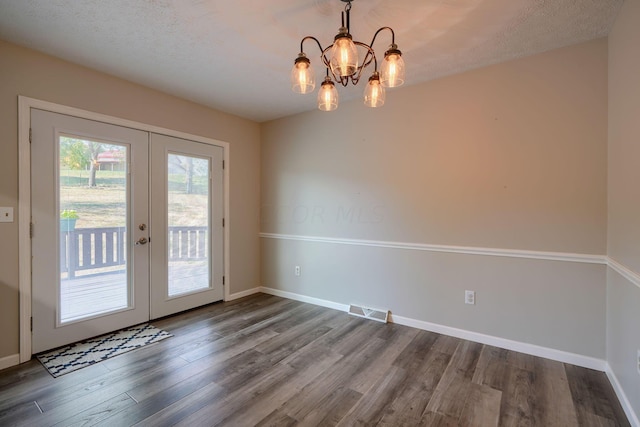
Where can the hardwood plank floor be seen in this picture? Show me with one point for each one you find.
(268, 361)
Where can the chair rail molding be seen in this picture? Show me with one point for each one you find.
(624, 271)
(469, 250)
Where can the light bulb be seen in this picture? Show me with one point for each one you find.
(392, 68)
(302, 76)
(327, 96)
(374, 92)
(344, 55)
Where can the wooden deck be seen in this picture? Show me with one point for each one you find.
(85, 296)
(91, 295)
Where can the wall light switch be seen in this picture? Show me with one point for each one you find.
(6, 214)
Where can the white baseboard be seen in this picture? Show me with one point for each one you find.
(304, 298)
(532, 349)
(9, 361)
(622, 397)
(243, 294)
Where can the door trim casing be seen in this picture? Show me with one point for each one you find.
(25, 104)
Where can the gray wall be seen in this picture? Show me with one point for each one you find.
(623, 296)
(26, 72)
(511, 156)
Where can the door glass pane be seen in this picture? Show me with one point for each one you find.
(188, 224)
(93, 228)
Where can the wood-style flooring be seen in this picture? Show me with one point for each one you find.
(269, 361)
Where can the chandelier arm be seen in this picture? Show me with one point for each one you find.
(311, 38)
(343, 80)
(327, 64)
(325, 60)
(393, 35)
(370, 56)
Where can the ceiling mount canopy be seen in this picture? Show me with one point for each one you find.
(343, 65)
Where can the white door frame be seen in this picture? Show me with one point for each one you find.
(25, 104)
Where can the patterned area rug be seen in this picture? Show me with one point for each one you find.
(76, 356)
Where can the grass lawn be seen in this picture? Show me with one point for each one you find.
(105, 204)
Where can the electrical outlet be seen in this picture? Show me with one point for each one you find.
(297, 270)
(469, 297)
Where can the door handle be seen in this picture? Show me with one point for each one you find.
(142, 241)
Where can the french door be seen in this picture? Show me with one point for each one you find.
(126, 227)
(187, 255)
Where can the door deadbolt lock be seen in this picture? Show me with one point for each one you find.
(142, 241)
(142, 227)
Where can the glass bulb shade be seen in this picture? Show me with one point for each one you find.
(302, 76)
(344, 57)
(374, 93)
(392, 70)
(328, 96)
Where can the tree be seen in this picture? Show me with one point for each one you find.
(186, 165)
(93, 149)
(194, 170)
(73, 153)
(80, 154)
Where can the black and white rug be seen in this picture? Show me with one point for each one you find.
(75, 356)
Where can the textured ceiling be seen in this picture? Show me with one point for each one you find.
(236, 56)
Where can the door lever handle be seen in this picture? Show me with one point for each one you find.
(142, 241)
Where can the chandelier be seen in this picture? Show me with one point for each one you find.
(343, 66)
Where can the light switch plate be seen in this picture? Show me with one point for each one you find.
(6, 214)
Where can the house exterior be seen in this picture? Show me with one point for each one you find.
(112, 160)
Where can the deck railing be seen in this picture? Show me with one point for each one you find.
(98, 248)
